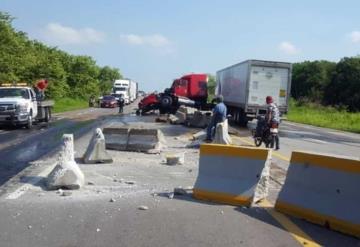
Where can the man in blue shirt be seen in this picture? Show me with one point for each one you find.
(219, 116)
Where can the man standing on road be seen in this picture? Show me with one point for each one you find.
(121, 103)
(219, 116)
(273, 120)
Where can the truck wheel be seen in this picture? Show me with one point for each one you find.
(29, 123)
(166, 101)
(47, 115)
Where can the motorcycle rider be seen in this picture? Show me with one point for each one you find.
(121, 103)
(273, 120)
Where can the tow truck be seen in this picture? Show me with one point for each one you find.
(22, 105)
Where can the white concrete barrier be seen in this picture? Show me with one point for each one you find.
(222, 133)
(66, 173)
(145, 140)
(323, 189)
(134, 139)
(232, 175)
(116, 138)
(96, 153)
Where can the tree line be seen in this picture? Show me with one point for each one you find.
(328, 83)
(26, 60)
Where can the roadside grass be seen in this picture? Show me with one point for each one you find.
(328, 117)
(69, 104)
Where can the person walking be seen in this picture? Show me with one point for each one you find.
(121, 103)
(273, 120)
(219, 116)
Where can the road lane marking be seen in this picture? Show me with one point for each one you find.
(31, 183)
(286, 223)
(274, 153)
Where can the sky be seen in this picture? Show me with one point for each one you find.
(154, 41)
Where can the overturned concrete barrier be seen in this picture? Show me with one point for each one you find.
(221, 134)
(116, 138)
(323, 189)
(232, 175)
(96, 153)
(134, 139)
(145, 140)
(66, 173)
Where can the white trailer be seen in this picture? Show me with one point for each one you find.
(121, 87)
(132, 90)
(245, 86)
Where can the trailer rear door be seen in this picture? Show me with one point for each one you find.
(268, 81)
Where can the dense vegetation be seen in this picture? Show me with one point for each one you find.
(25, 60)
(328, 83)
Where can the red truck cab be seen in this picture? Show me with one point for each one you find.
(189, 89)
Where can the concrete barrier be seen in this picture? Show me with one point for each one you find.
(116, 138)
(134, 139)
(200, 119)
(323, 189)
(66, 173)
(95, 152)
(232, 174)
(145, 140)
(222, 134)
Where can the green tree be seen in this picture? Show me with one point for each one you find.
(107, 76)
(310, 79)
(344, 88)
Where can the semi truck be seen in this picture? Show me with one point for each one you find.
(245, 86)
(126, 88)
(21, 105)
(189, 89)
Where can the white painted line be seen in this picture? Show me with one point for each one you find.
(314, 140)
(24, 188)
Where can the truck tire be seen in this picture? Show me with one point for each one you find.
(29, 123)
(166, 101)
(47, 115)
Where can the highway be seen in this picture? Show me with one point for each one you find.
(33, 216)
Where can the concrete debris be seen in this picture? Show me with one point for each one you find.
(130, 182)
(29, 226)
(200, 119)
(171, 195)
(221, 134)
(161, 119)
(66, 173)
(175, 159)
(262, 188)
(66, 193)
(134, 139)
(59, 191)
(143, 207)
(221, 212)
(98, 229)
(201, 135)
(90, 183)
(112, 200)
(95, 152)
(180, 191)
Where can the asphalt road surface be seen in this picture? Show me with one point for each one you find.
(106, 212)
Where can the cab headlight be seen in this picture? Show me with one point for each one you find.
(22, 108)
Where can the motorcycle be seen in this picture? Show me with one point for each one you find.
(263, 133)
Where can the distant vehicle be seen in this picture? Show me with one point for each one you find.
(20, 105)
(127, 88)
(108, 101)
(188, 90)
(245, 86)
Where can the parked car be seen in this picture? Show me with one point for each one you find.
(108, 101)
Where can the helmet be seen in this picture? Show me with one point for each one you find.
(269, 100)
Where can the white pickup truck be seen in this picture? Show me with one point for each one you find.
(20, 106)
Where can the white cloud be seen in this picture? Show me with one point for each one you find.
(58, 34)
(288, 48)
(355, 36)
(155, 40)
